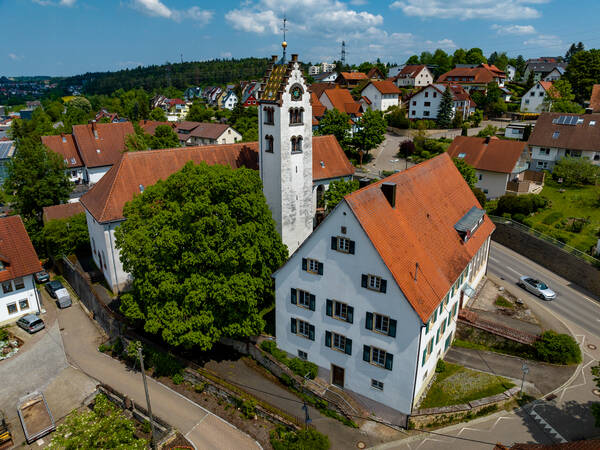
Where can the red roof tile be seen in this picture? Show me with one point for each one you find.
(431, 197)
(64, 145)
(16, 250)
(499, 155)
(410, 71)
(106, 150)
(342, 100)
(318, 109)
(329, 159)
(62, 211)
(386, 87)
(595, 98)
(149, 126)
(354, 76)
(479, 75)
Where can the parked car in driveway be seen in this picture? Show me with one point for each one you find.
(537, 288)
(41, 277)
(31, 323)
(63, 299)
(53, 286)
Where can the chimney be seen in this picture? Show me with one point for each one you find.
(294, 57)
(273, 59)
(94, 130)
(389, 190)
(362, 182)
(487, 140)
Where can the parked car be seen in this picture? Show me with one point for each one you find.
(53, 286)
(31, 323)
(63, 299)
(537, 288)
(41, 277)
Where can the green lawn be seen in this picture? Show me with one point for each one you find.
(458, 384)
(574, 202)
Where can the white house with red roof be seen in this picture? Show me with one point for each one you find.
(372, 296)
(380, 95)
(533, 99)
(18, 263)
(474, 77)
(413, 75)
(425, 103)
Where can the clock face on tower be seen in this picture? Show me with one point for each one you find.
(296, 93)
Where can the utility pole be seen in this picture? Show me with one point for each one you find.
(343, 60)
(525, 370)
(141, 357)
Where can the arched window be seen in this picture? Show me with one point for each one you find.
(296, 116)
(269, 143)
(296, 144)
(269, 115)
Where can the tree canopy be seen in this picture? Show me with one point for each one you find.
(337, 191)
(467, 171)
(444, 115)
(583, 72)
(158, 114)
(371, 130)
(201, 247)
(103, 427)
(336, 123)
(559, 98)
(64, 237)
(576, 171)
(164, 137)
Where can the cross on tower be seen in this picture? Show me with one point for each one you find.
(284, 43)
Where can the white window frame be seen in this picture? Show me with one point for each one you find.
(343, 244)
(384, 322)
(376, 384)
(343, 309)
(338, 342)
(302, 326)
(26, 301)
(312, 265)
(374, 282)
(380, 356)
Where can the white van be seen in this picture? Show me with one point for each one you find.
(63, 299)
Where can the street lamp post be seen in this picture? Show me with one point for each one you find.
(525, 370)
(147, 397)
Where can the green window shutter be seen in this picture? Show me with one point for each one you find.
(424, 357)
(389, 361)
(333, 243)
(328, 339)
(366, 353)
(383, 286)
(351, 247)
(304, 264)
(364, 280)
(392, 328)
(437, 335)
(369, 321)
(348, 346)
(294, 325)
(311, 302)
(311, 332)
(350, 314)
(329, 308)
(294, 299)
(427, 327)
(435, 316)
(320, 268)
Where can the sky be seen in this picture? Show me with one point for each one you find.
(68, 37)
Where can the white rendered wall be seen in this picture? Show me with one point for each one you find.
(419, 108)
(493, 184)
(379, 101)
(93, 174)
(536, 101)
(341, 280)
(28, 293)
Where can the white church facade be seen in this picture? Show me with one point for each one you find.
(295, 168)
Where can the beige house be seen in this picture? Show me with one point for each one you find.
(200, 133)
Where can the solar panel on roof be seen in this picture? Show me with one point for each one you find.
(561, 120)
(574, 120)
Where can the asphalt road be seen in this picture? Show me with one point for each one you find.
(570, 303)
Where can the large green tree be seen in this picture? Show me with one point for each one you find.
(158, 114)
(201, 247)
(444, 115)
(583, 72)
(199, 113)
(36, 178)
(336, 123)
(337, 191)
(103, 427)
(467, 171)
(559, 98)
(164, 137)
(66, 236)
(371, 130)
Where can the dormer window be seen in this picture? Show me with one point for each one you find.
(469, 223)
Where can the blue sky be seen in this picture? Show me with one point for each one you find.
(65, 37)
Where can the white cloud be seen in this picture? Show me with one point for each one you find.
(156, 8)
(514, 29)
(469, 9)
(67, 2)
(55, 3)
(14, 56)
(543, 41)
(225, 54)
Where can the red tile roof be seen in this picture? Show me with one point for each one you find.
(105, 200)
(431, 197)
(595, 98)
(582, 136)
(366, 99)
(375, 73)
(593, 444)
(149, 126)
(354, 76)
(64, 145)
(329, 159)
(16, 250)
(386, 87)
(318, 109)
(481, 75)
(62, 211)
(410, 71)
(499, 155)
(342, 100)
(107, 149)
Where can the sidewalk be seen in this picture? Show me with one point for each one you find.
(81, 338)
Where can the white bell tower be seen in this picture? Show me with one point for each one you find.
(285, 156)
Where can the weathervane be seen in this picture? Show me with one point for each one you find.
(284, 43)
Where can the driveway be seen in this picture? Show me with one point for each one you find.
(81, 338)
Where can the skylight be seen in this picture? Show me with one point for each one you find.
(141, 188)
(72, 160)
(592, 123)
(555, 135)
(462, 155)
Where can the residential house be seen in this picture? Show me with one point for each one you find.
(511, 73)
(555, 74)
(474, 78)
(176, 109)
(18, 263)
(149, 126)
(559, 135)
(65, 146)
(192, 92)
(425, 103)
(318, 110)
(413, 75)
(230, 100)
(327, 67)
(314, 70)
(249, 99)
(108, 116)
(326, 77)
(533, 99)
(7, 151)
(350, 80)
(381, 95)
(62, 211)
(516, 130)
(372, 296)
(341, 99)
(219, 97)
(496, 161)
(540, 67)
(594, 104)
(34, 104)
(206, 133)
(375, 74)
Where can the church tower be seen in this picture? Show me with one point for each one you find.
(285, 156)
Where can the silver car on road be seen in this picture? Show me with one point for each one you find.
(537, 288)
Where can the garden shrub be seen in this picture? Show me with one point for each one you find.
(199, 388)
(557, 348)
(146, 427)
(298, 366)
(440, 366)
(163, 363)
(177, 378)
(248, 408)
(307, 439)
(520, 204)
(518, 217)
(552, 217)
(3, 334)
